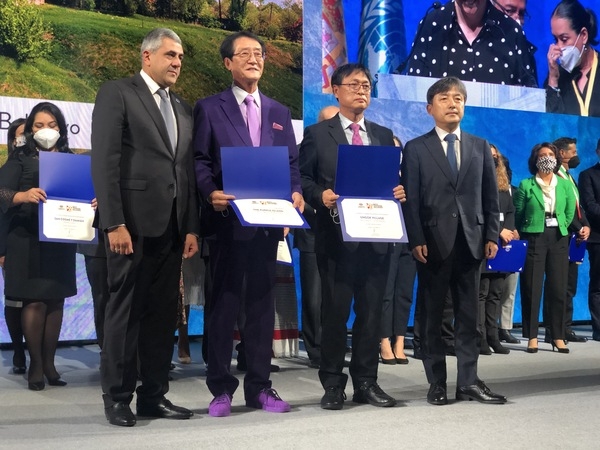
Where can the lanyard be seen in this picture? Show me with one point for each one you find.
(584, 107)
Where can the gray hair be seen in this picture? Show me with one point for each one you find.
(154, 39)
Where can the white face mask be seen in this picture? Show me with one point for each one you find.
(46, 138)
(571, 56)
(20, 141)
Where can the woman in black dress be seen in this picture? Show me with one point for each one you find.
(38, 274)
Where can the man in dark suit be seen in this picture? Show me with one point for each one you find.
(567, 148)
(589, 188)
(142, 169)
(242, 259)
(452, 219)
(346, 268)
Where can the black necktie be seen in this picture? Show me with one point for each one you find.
(451, 153)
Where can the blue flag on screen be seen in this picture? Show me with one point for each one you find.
(382, 41)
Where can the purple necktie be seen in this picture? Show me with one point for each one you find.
(356, 139)
(253, 123)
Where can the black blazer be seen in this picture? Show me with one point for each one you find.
(589, 196)
(135, 174)
(318, 164)
(435, 202)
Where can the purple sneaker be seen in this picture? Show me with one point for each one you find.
(220, 406)
(269, 400)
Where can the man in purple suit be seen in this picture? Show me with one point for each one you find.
(242, 259)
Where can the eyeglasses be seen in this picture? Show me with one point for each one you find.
(245, 54)
(514, 13)
(356, 87)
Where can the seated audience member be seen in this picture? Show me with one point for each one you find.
(473, 41)
(589, 188)
(492, 283)
(39, 274)
(15, 138)
(573, 83)
(580, 227)
(544, 227)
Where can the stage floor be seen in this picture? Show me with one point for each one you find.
(553, 403)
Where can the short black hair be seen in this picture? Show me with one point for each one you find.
(533, 157)
(563, 143)
(445, 85)
(62, 145)
(347, 69)
(228, 44)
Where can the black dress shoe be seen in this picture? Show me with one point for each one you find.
(479, 392)
(36, 385)
(19, 370)
(506, 336)
(498, 348)
(57, 382)
(437, 394)
(596, 336)
(417, 353)
(163, 409)
(484, 348)
(314, 364)
(372, 394)
(333, 398)
(120, 414)
(572, 337)
(487, 390)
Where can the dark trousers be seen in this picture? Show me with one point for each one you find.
(241, 270)
(447, 322)
(491, 287)
(310, 283)
(572, 278)
(594, 287)
(547, 254)
(459, 273)
(141, 317)
(398, 295)
(362, 274)
(97, 273)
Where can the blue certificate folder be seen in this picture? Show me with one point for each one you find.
(65, 176)
(367, 172)
(257, 173)
(510, 258)
(576, 250)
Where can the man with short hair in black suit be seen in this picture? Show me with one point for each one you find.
(589, 190)
(142, 169)
(452, 219)
(347, 269)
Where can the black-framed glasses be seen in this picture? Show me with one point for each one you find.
(245, 54)
(512, 11)
(357, 87)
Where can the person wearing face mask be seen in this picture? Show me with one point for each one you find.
(567, 149)
(573, 83)
(15, 138)
(40, 275)
(544, 209)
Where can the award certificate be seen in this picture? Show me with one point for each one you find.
(68, 220)
(267, 213)
(371, 220)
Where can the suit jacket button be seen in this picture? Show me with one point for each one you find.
(454, 215)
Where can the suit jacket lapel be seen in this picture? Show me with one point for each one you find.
(149, 103)
(466, 154)
(232, 111)
(435, 149)
(266, 121)
(372, 135)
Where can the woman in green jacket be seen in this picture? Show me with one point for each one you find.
(544, 208)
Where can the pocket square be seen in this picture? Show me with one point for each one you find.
(277, 126)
